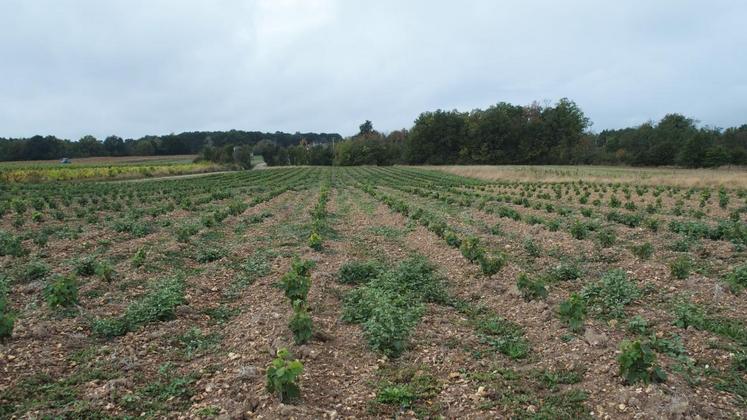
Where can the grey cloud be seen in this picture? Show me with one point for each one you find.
(75, 67)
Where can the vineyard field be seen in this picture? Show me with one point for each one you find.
(369, 292)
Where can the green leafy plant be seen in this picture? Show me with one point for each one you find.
(391, 304)
(688, 314)
(531, 289)
(643, 251)
(300, 323)
(10, 244)
(34, 270)
(609, 296)
(282, 375)
(532, 248)
(638, 363)
(19, 206)
(491, 264)
(407, 388)
(452, 239)
(681, 267)
(471, 249)
(158, 304)
(297, 282)
(572, 312)
(565, 271)
(315, 241)
(737, 279)
(503, 335)
(85, 266)
(606, 238)
(139, 258)
(206, 254)
(579, 230)
(7, 318)
(194, 341)
(237, 207)
(389, 322)
(61, 291)
(105, 271)
(359, 272)
(723, 198)
(186, 231)
(638, 325)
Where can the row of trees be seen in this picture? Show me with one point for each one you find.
(675, 140)
(51, 147)
(534, 134)
(501, 134)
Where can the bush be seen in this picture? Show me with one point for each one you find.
(186, 231)
(105, 271)
(358, 272)
(34, 270)
(508, 212)
(315, 241)
(10, 245)
(62, 291)
(652, 224)
(627, 219)
(565, 271)
(638, 325)
(237, 207)
(643, 251)
(134, 227)
(553, 225)
(389, 322)
(737, 279)
(572, 312)
(7, 319)
(391, 304)
(531, 289)
(452, 239)
(579, 230)
(680, 267)
(609, 296)
(139, 258)
(687, 314)
(723, 198)
(300, 323)
(638, 363)
(491, 264)
(532, 248)
(209, 254)
(471, 249)
(85, 266)
(681, 245)
(606, 238)
(281, 377)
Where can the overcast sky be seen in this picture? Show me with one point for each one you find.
(136, 67)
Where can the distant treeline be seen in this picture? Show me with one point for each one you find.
(534, 135)
(501, 134)
(51, 147)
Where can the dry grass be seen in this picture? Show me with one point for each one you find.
(734, 177)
